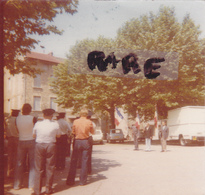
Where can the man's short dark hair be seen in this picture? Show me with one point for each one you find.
(26, 109)
(48, 112)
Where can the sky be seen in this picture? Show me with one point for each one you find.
(96, 18)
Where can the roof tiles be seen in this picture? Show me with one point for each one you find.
(45, 57)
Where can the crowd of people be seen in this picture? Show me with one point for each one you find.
(148, 134)
(43, 145)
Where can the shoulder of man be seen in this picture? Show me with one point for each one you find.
(38, 123)
(54, 121)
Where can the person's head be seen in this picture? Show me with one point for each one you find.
(26, 109)
(89, 114)
(15, 112)
(48, 113)
(164, 123)
(61, 115)
(147, 124)
(84, 112)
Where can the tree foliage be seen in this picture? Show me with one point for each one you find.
(159, 32)
(162, 32)
(23, 19)
(101, 93)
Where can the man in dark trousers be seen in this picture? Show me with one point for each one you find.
(135, 132)
(164, 132)
(148, 136)
(45, 132)
(81, 129)
(62, 141)
(12, 136)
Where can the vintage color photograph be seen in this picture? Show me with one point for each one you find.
(103, 97)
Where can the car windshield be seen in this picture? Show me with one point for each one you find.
(116, 131)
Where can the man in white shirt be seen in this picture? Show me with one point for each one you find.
(26, 146)
(45, 132)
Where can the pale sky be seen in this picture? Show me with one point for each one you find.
(96, 17)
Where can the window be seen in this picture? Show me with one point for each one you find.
(9, 105)
(37, 103)
(9, 84)
(19, 101)
(53, 105)
(46, 67)
(51, 78)
(37, 81)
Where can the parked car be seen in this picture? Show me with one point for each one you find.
(115, 135)
(98, 136)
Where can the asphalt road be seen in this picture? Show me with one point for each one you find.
(119, 170)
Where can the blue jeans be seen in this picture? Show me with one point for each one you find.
(148, 144)
(24, 148)
(81, 148)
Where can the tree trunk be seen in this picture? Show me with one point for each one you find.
(112, 117)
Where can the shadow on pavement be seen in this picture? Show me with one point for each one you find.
(9, 181)
(8, 185)
(98, 165)
(192, 144)
(157, 142)
(60, 176)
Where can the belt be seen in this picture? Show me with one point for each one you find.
(82, 139)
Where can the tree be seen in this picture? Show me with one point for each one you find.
(25, 18)
(162, 32)
(101, 93)
(159, 32)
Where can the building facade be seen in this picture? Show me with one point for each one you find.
(22, 88)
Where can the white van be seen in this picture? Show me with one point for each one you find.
(187, 124)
